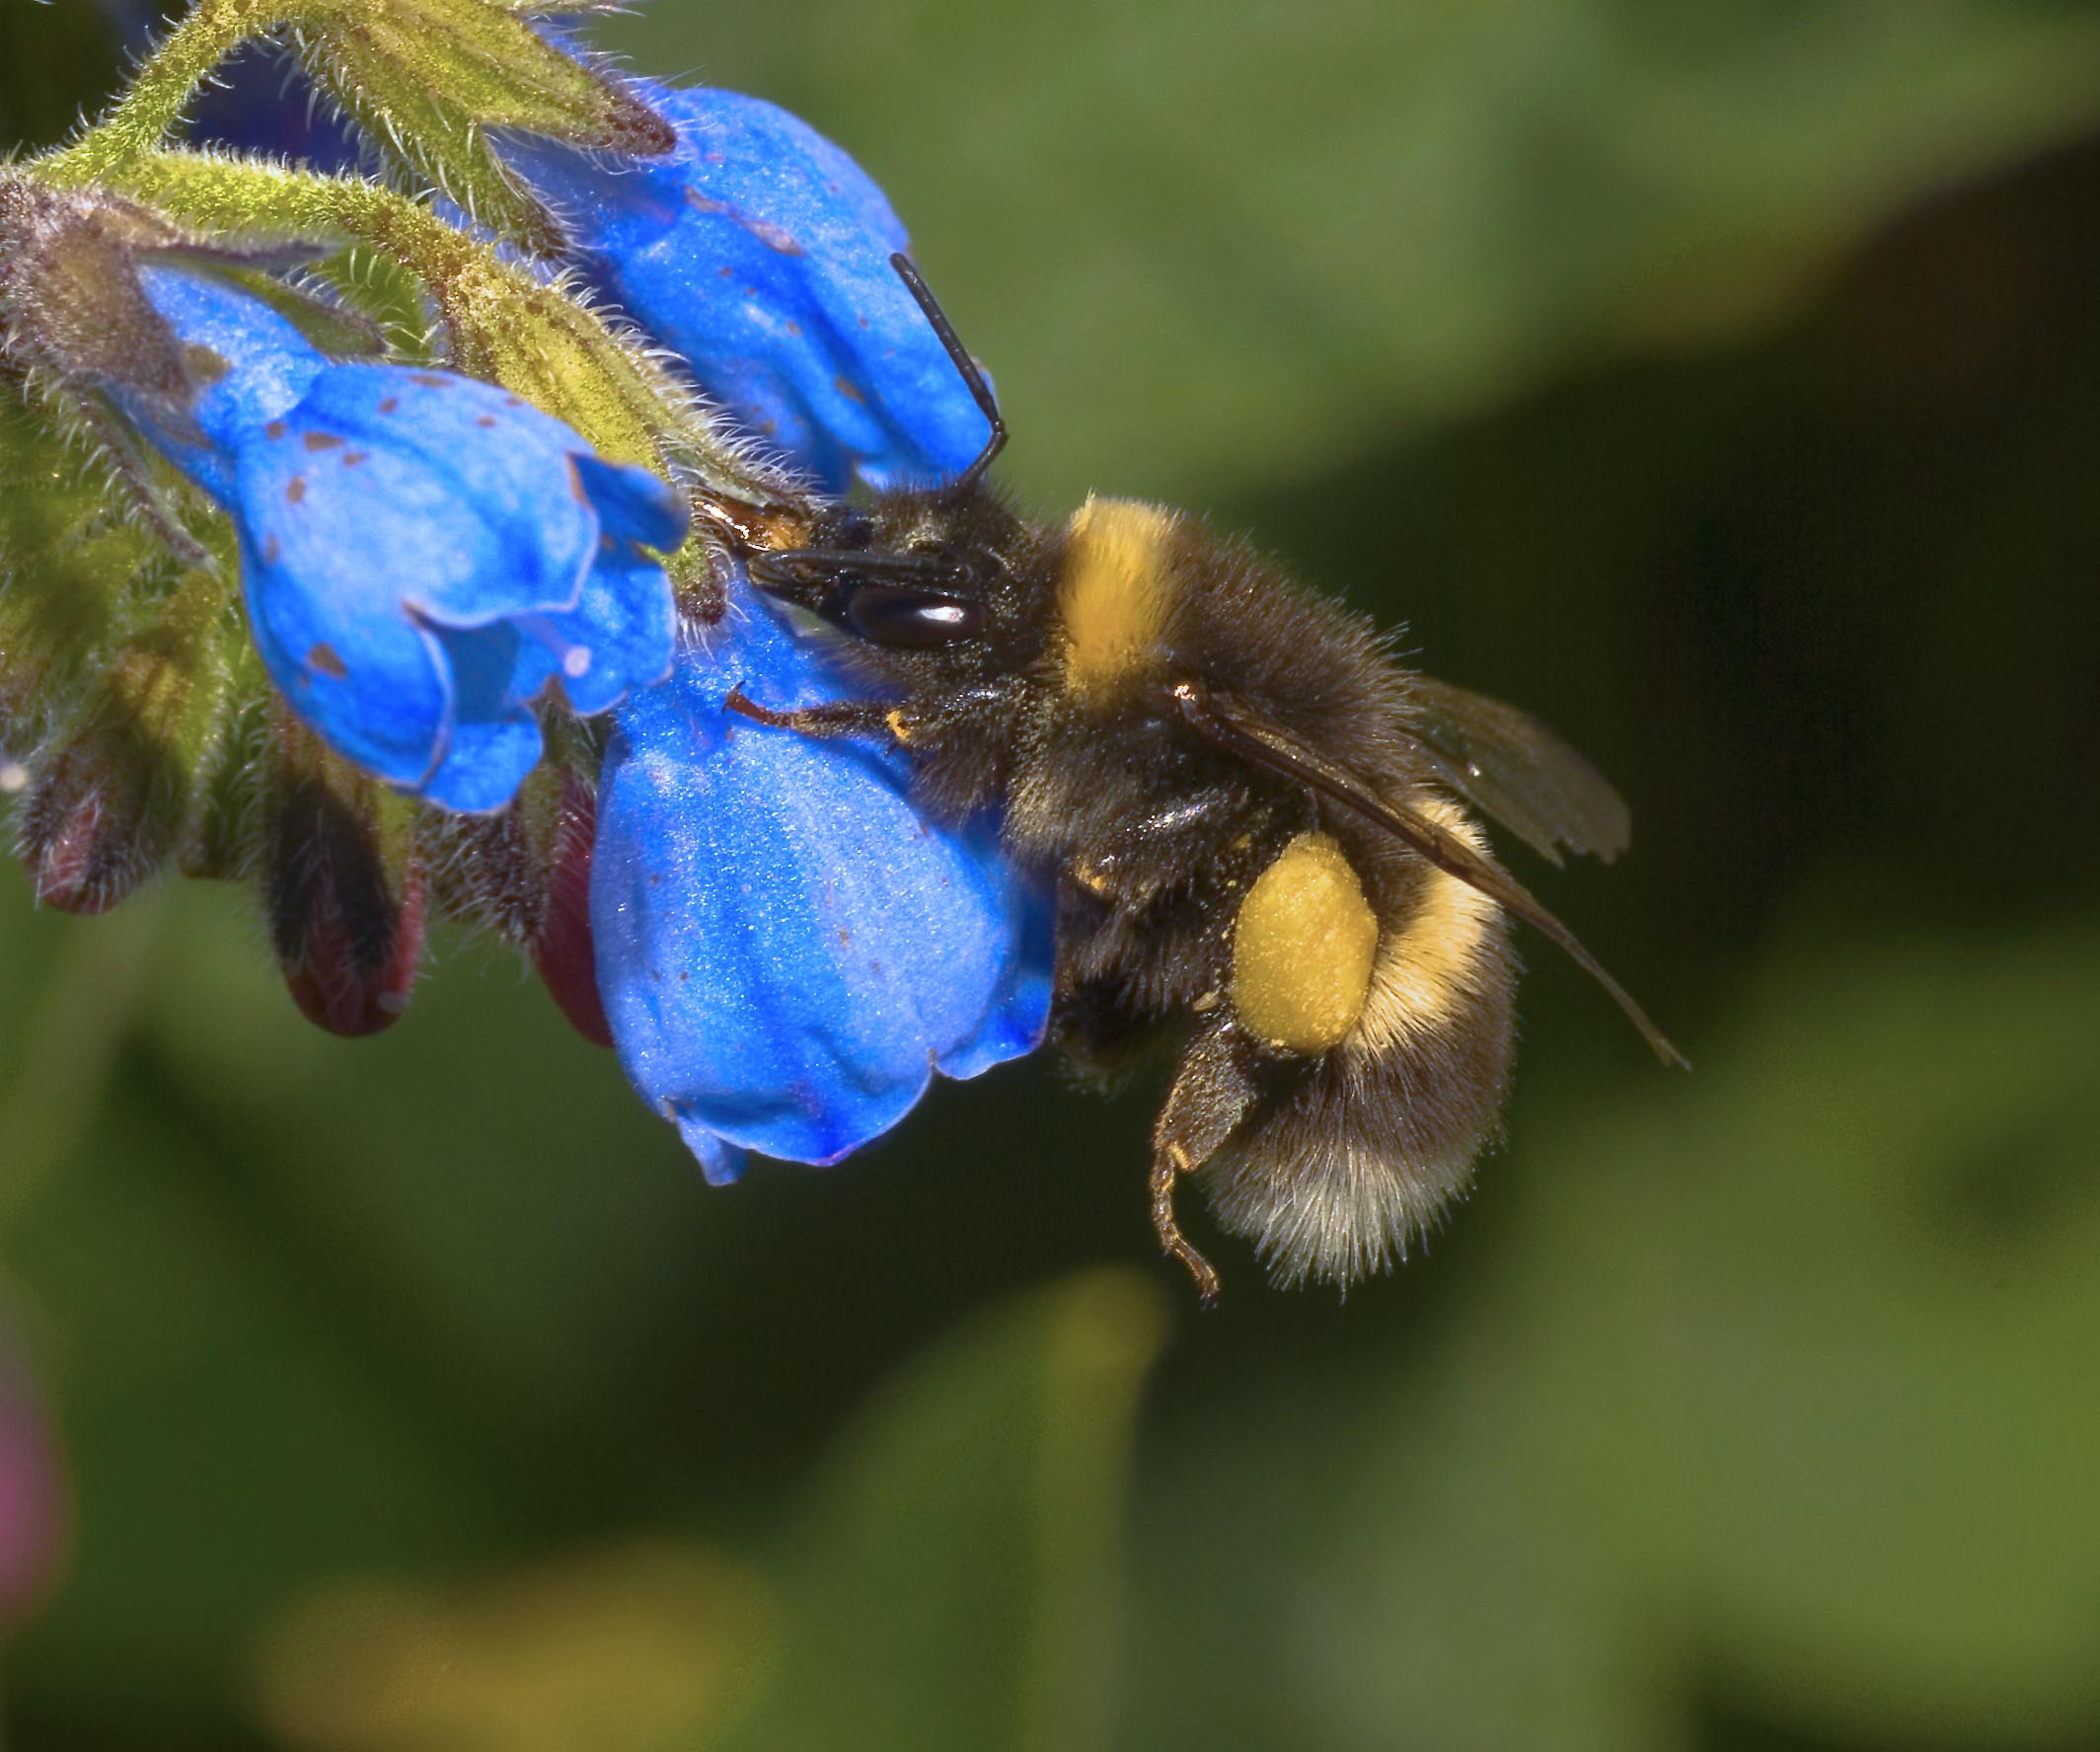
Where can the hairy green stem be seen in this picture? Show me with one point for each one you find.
(162, 89)
(505, 324)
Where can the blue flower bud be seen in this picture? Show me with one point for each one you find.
(787, 948)
(422, 554)
(760, 253)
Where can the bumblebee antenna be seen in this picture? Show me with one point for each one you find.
(973, 379)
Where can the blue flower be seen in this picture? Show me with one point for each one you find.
(760, 253)
(787, 950)
(423, 555)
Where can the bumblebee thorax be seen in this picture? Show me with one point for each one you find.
(1117, 588)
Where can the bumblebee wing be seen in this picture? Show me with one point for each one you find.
(1236, 728)
(1510, 766)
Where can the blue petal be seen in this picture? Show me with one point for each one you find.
(493, 740)
(760, 252)
(631, 503)
(624, 626)
(422, 554)
(268, 366)
(448, 494)
(375, 686)
(786, 947)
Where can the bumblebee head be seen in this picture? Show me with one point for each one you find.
(939, 570)
(912, 570)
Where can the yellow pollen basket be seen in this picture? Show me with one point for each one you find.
(1114, 591)
(1303, 947)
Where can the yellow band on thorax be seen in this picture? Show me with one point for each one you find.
(1114, 590)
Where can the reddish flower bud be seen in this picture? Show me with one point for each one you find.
(89, 833)
(355, 964)
(526, 872)
(343, 889)
(561, 946)
(113, 794)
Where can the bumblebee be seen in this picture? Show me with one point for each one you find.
(1255, 819)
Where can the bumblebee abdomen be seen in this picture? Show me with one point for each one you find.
(1443, 947)
(1370, 1128)
(1317, 966)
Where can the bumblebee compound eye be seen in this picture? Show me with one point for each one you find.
(900, 615)
(886, 598)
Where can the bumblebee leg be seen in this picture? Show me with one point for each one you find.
(1211, 1093)
(1168, 1166)
(834, 718)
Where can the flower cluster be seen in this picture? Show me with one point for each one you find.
(397, 625)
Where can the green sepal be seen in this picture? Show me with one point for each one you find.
(70, 293)
(492, 66)
(385, 292)
(427, 79)
(695, 570)
(431, 143)
(66, 563)
(564, 7)
(221, 841)
(541, 342)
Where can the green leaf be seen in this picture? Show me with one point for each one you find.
(957, 1580)
(1780, 1387)
(67, 558)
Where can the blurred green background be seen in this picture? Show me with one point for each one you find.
(1719, 378)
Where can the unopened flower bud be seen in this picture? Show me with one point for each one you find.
(109, 797)
(85, 824)
(563, 952)
(526, 872)
(343, 887)
(428, 79)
